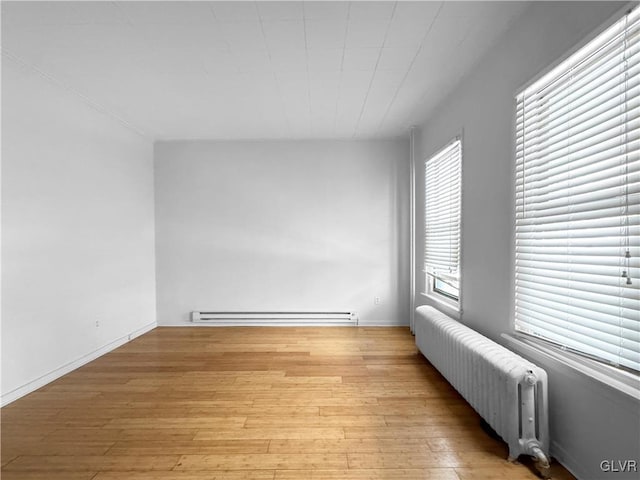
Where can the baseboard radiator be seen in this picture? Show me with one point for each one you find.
(509, 392)
(336, 318)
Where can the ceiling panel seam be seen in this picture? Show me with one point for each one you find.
(404, 78)
(375, 70)
(86, 100)
(275, 75)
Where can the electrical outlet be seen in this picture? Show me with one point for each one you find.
(376, 300)
(97, 323)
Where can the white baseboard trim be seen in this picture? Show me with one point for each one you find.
(384, 324)
(261, 323)
(567, 461)
(33, 385)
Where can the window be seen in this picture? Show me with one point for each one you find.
(442, 222)
(578, 200)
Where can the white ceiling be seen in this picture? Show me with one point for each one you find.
(257, 70)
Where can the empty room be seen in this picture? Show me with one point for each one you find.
(320, 240)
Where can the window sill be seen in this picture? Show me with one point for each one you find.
(620, 380)
(446, 306)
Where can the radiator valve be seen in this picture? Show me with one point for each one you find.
(530, 378)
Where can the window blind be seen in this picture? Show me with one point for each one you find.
(578, 200)
(442, 214)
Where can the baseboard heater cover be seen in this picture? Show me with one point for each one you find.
(275, 318)
(509, 392)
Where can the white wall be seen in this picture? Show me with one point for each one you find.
(590, 422)
(282, 226)
(77, 225)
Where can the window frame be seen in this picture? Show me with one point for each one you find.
(450, 303)
(618, 377)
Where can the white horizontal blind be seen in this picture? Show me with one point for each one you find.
(578, 200)
(442, 214)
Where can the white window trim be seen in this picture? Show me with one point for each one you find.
(448, 305)
(619, 380)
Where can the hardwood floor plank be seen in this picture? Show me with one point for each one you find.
(348, 446)
(467, 444)
(425, 409)
(191, 447)
(282, 396)
(256, 411)
(429, 431)
(400, 460)
(177, 422)
(96, 387)
(316, 421)
(18, 448)
(19, 475)
(112, 434)
(509, 472)
(317, 400)
(319, 369)
(465, 419)
(369, 474)
(201, 475)
(56, 463)
(268, 433)
(416, 400)
(291, 381)
(262, 461)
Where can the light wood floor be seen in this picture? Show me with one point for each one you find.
(254, 403)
